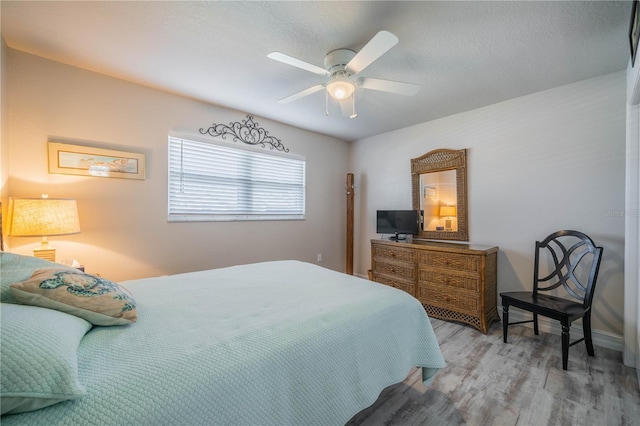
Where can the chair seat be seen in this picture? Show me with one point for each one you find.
(546, 305)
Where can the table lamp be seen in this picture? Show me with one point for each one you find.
(448, 212)
(43, 217)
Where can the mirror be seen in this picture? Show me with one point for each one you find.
(439, 184)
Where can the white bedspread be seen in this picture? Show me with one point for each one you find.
(274, 343)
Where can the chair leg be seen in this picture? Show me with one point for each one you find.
(535, 323)
(565, 346)
(586, 325)
(505, 322)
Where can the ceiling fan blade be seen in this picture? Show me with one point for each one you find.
(289, 60)
(301, 94)
(408, 89)
(377, 46)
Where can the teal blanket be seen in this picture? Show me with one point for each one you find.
(274, 343)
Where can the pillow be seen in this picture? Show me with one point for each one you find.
(99, 301)
(15, 268)
(38, 357)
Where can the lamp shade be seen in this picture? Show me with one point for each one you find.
(448, 211)
(42, 217)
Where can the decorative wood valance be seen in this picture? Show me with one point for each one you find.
(247, 131)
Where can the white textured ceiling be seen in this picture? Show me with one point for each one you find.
(464, 54)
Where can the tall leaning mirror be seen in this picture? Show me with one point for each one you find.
(439, 184)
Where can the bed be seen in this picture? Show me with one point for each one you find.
(273, 343)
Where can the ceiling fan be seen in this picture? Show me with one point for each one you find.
(341, 66)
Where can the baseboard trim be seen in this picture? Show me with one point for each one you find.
(600, 338)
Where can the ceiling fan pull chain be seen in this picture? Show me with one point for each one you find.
(326, 103)
(353, 106)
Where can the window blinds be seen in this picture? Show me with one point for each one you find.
(210, 182)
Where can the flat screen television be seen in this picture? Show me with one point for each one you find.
(400, 223)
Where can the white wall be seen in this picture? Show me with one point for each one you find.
(125, 233)
(548, 161)
(631, 352)
(4, 146)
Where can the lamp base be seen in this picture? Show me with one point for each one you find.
(447, 224)
(46, 253)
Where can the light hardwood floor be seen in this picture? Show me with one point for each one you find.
(487, 382)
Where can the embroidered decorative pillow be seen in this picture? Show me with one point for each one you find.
(38, 357)
(99, 301)
(15, 268)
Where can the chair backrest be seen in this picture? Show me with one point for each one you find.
(572, 260)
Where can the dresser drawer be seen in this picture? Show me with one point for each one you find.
(447, 279)
(400, 270)
(458, 262)
(454, 300)
(403, 285)
(394, 253)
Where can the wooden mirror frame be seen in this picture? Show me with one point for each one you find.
(440, 160)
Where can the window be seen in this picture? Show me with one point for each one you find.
(215, 182)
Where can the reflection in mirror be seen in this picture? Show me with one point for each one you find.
(439, 202)
(440, 193)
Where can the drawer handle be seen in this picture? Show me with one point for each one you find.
(393, 269)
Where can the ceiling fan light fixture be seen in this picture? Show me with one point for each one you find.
(340, 88)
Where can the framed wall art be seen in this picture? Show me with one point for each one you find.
(90, 161)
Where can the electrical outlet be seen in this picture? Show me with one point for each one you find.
(319, 257)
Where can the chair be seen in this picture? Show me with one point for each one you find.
(573, 261)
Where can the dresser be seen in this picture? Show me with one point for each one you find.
(453, 281)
